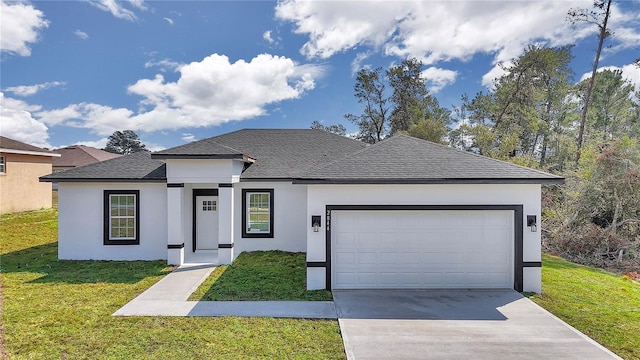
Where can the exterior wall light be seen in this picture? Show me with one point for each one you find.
(316, 222)
(532, 223)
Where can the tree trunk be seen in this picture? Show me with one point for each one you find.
(583, 118)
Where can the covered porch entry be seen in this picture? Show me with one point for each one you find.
(200, 223)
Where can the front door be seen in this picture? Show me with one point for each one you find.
(206, 223)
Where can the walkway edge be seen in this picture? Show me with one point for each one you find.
(272, 309)
(168, 297)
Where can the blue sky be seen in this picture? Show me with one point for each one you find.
(176, 71)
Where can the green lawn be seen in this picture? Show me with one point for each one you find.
(62, 310)
(260, 275)
(602, 305)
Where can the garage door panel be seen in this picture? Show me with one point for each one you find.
(422, 249)
(345, 258)
(367, 258)
(476, 279)
(411, 258)
(389, 258)
(368, 279)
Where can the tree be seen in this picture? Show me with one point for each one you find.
(525, 109)
(338, 129)
(124, 142)
(412, 109)
(599, 16)
(370, 90)
(409, 94)
(611, 111)
(428, 129)
(596, 218)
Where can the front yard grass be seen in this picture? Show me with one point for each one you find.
(62, 309)
(604, 306)
(260, 275)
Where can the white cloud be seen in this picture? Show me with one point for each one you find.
(102, 143)
(334, 26)
(20, 26)
(17, 123)
(152, 146)
(81, 34)
(630, 73)
(118, 10)
(169, 20)
(98, 144)
(496, 71)
(208, 92)
(139, 4)
(447, 30)
(16, 104)
(101, 119)
(267, 36)
(437, 78)
(626, 30)
(28, 90)
(163, 65)
(431, 31)
(188, 137)
(356, 64)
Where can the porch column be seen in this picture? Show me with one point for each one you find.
(225, 224)
(175, 233)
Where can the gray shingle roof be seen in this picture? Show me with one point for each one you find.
(278, 153)
(405, 159)
(316, 156)
(138, 166)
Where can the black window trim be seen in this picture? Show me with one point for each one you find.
(4, 164)
(106, 215)
(244, 213)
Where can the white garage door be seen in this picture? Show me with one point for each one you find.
(422, 249)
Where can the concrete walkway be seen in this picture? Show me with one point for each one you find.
(168, 297)
(402, 324)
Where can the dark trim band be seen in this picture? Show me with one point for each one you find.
(225, 246)
(404, 181)
(175, 246)
(203, 156)
(533, 264)
(517, 230)
(313, 264)
(102, 180)
(225, 185)
(175, 185)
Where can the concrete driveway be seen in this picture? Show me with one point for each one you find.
(455, 324)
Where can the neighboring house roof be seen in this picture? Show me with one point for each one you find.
(135, 167)
(318, 157)
(278, 153)
(80, 155)
(11, 146)
(405, 159)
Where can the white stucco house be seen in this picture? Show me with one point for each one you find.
(403, 213)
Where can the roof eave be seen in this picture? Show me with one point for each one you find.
(329, 181)
(27, 152)
(97, 180)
